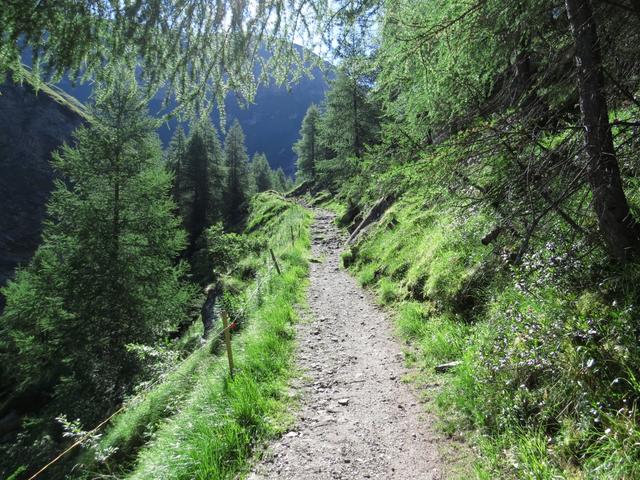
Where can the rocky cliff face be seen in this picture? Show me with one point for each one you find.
(32, 126)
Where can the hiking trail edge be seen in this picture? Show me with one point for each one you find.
(357, 418)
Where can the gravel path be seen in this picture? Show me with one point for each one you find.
(358, 420)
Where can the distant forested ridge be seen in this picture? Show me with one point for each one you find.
(271, 123)
(270, 120)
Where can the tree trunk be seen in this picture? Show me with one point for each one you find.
(115, 233)
(116, 219)
(619, 229)
(313, 151)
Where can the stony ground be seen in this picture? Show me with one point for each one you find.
(358, 419)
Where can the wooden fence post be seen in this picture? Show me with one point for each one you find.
(275, 262)
(293, 239)
(227, 340)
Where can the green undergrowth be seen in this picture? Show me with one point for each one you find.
(548, 377)
(199, 423)
(326, 200)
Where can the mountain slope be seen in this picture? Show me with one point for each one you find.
(31, 127)
(34, 125)
(271, 123)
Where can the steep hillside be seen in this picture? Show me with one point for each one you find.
(31, 127)
(194, 421)
(495, 211)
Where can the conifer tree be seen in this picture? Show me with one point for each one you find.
(308, 146)
(237, 181)
(281, 182)
(620, 228)
(201, 184)
(198, 174)
(175, 161)
(104, 276)
(204, 190)
(262, 174)
(216, 172)
(349, 122)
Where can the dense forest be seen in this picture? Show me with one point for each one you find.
(481, 156)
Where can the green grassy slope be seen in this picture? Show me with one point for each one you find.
(547, 381)
(198, 423)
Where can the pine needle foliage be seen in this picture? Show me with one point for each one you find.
(105, 276)
(262, 174)
(307, 148)
(196, 49)
(237, 181)
(200, 191)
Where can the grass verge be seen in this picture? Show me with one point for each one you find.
(546, 380)
(217, 423)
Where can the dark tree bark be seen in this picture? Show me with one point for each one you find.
(115, 233)
(619, 229)
(356, 133)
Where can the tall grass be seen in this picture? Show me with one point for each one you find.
(217, 422)
(547, 379)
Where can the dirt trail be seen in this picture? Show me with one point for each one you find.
(358, 420)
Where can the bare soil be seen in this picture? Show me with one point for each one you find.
(357, 419)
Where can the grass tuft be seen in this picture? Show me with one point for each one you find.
(387, 291)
